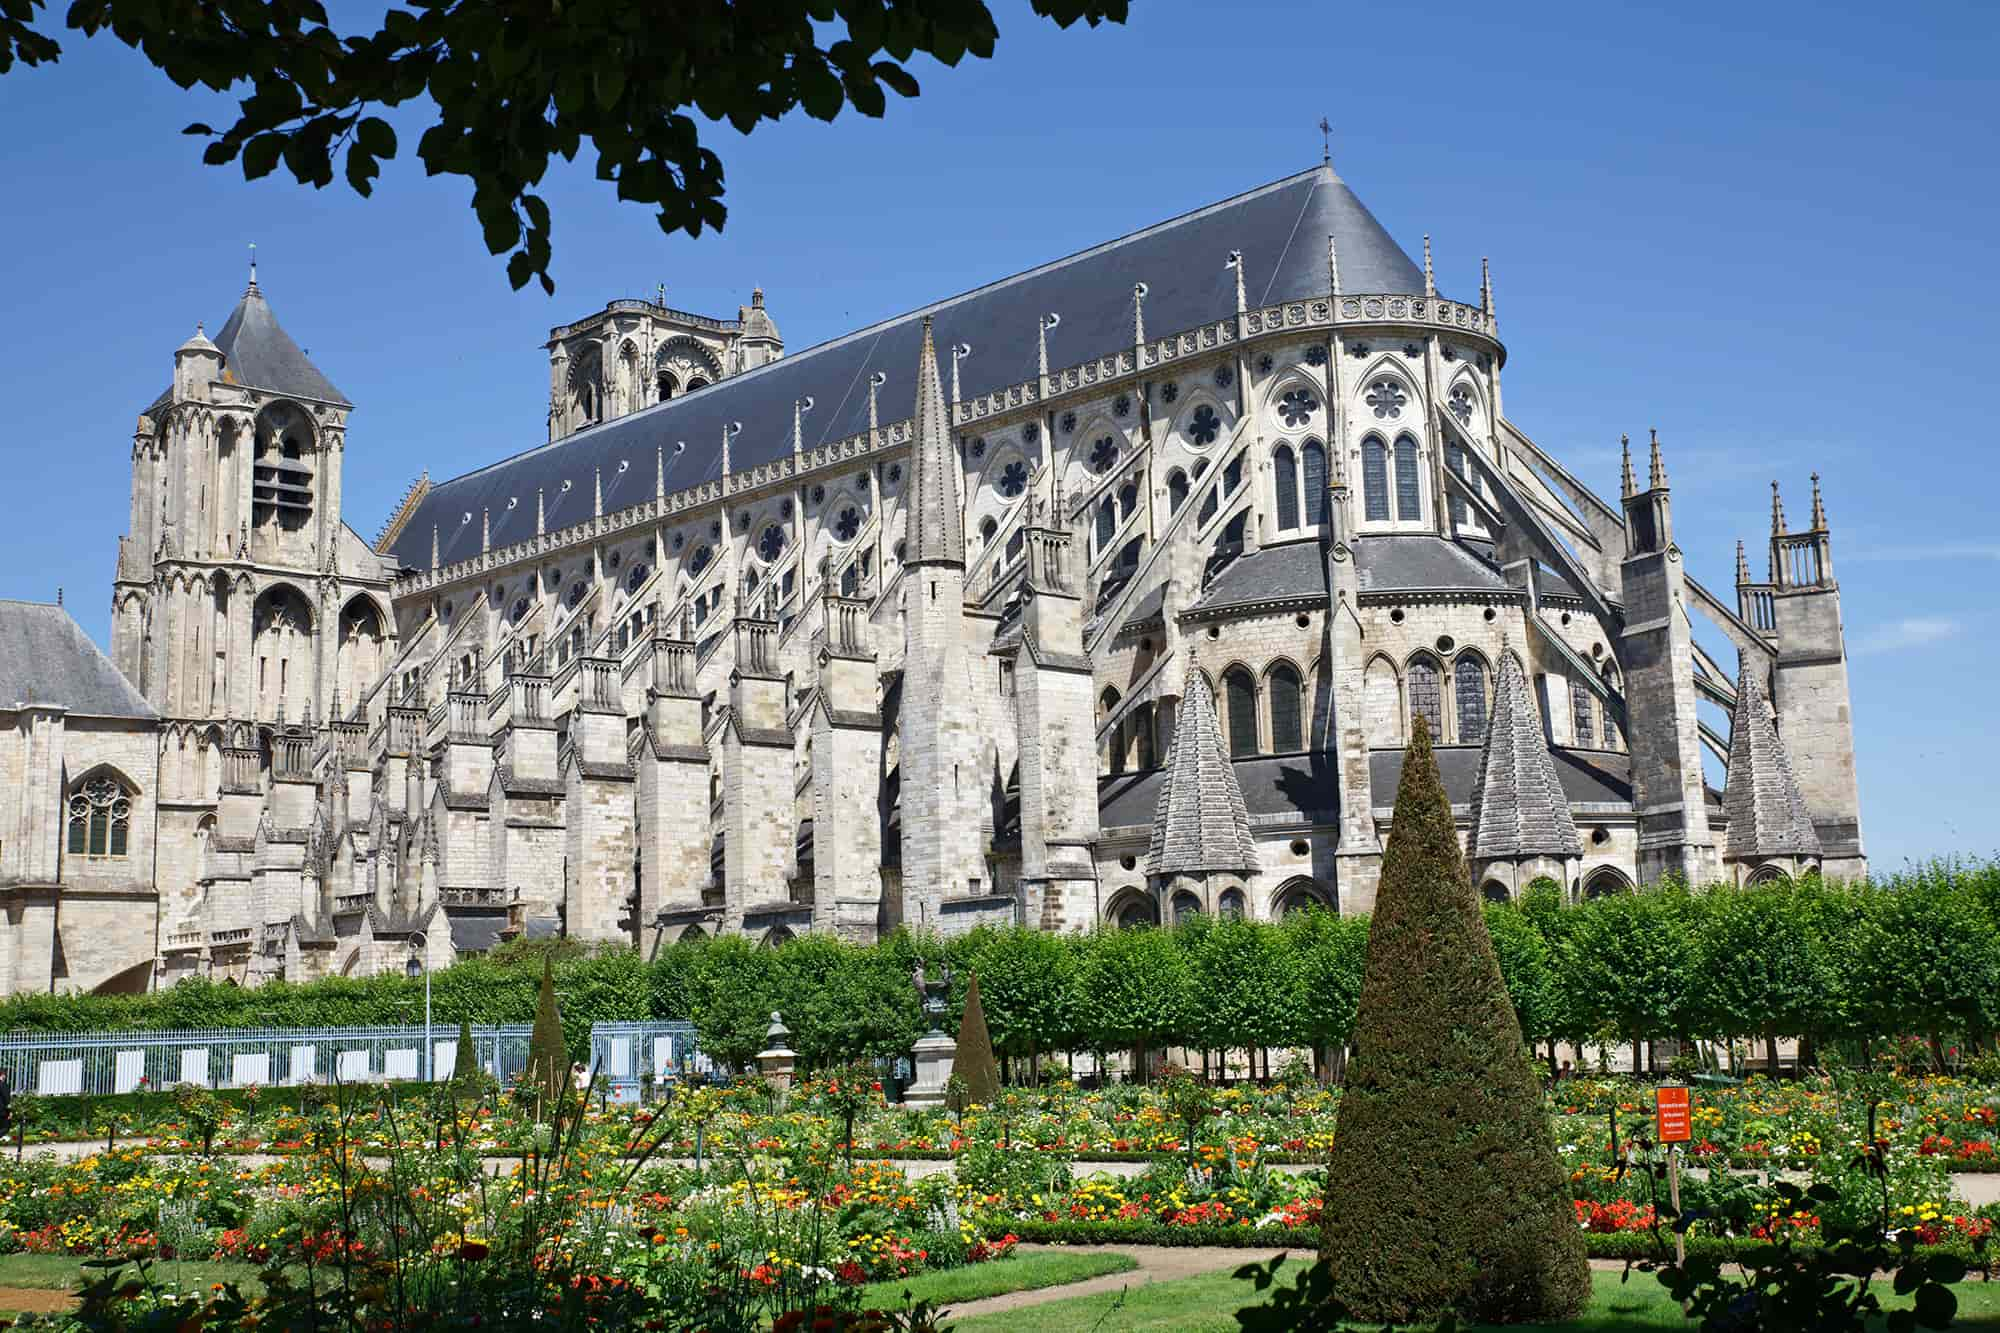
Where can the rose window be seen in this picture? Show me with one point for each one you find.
(771, 542)
(1386, 397)
(1103, 454)
(1205, 425)
(1461, 405)
(1013, 478)
(1297, 407)
(847, 524)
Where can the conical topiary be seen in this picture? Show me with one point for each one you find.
(1443, 1190)
(548, 1059)
(974, 1062)
(465, 1062)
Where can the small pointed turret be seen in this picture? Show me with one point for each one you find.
(1242, 295)
(935, 523)
(1139, 314)
(1627, 486)
(1777, 512)
(659, 470)
(1332, 264)
(1519, 809)
(1742, 566)
(1430, 276)
(1486, 286)
(485, 531)
(1767, 813)
(1200, 825)
(541, 524)
(597, 492)
(1818, 507)
(434, 546)
(1656, 472)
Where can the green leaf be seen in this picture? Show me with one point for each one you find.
(1936, 1306)
(260, 155)
(376, 136)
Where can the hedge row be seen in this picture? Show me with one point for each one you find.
(1918, 953)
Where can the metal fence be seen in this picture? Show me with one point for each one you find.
(622, 1054)
(111, 1062)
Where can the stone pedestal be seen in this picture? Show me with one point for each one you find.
(777, 1060)
(932, 1059)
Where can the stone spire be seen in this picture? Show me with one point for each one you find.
(1200, 825)
(1742, 566)
(1627, 487)
(1518, 806)
(1486, 286)
(1656, 472)
(935, 525)
(1777, 512)
(1430, 275)
(1818, 508)
(1767, 813)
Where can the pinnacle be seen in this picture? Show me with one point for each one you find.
(1201, 825)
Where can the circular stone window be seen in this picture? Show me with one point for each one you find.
(1300, 847)
(1597, 650)
(1565, 618)
(1600, 836)
(1129, 862)
(1214, 631)
(1396, 616)
(1491, 615)
(1445, 643)
(1303, 620)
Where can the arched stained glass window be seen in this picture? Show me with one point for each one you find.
(1142, 733)
(1426, 697)
(1231, 904)
(1287, 731)
(1232, 476)
(1469, 684)
(1375, 479)
(1409, 491)
(1241, 692)
(1312, 463)
(1014, 544)
(1107, 524)
(1177, 491)
(1582, 714)
(1128, 500)
(1454, 458)
(100, 819)
(1285, 472)
(1209, 503)
(1186, 905)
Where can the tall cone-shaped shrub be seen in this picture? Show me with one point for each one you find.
(1443, 1191)
(465, 1064)
(548, 1059)
(974, 1062)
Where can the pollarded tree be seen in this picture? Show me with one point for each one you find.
(1526, 968)
(974, 1062)
(1328, 954)
(734, 991)
(1756, 972)
(1631, 963)
(1133, 990)
(1246, 986)
(1443, 1190)
(1025, 979)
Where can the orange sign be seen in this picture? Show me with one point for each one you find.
(1670, 1108)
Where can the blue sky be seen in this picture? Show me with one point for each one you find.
(1765, 230)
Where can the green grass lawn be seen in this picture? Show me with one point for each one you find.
(1018, 1272)
(1208, 1305)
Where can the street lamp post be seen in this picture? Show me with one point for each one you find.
(420, 962)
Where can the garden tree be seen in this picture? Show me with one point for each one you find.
(1247, 987)
(465, 1061)
(1443, 1191)
(1630, 963)
(1755, 967)
(974, 1061)
(1025, 989)
(1542, 905)
(1133, 989)
(734, 991)
(548, 1059)
(1527, 970)
(842, 1000)
(1927, 963)
(1327, 956)
(502, 89)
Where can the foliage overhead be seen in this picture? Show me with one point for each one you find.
(507, 87)
(1444, 1194)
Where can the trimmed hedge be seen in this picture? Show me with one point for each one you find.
(1917, 953)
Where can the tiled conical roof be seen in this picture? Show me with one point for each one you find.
(1518, 805)
(935, 525)
(1767, 813)
(1200, 825)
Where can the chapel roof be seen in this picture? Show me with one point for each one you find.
(259, 354)
(46, 658)
(1280, 228)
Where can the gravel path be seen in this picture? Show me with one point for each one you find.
(1157, 1263)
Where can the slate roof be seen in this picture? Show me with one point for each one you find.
(1519, 807)
(1419, 562)
(1767, 812)
(1296, 786)
(1281, 228)
(1271, 573)
(46, 658)
(1200, 824)
(257, 352)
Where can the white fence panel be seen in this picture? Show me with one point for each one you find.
(59, 1078)
(444, 1058)
(621, 1057)
(305, 1059)
(246, 1068)
(194, 1067)
(351, 1066)
(130, 1068)
(663, 1056)
(399, 1063)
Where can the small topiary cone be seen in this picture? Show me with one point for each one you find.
(974, 1062)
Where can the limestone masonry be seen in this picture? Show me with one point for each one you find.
(1106, 593)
